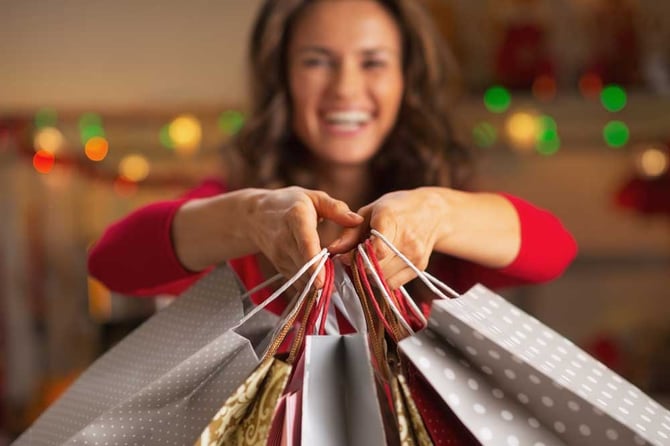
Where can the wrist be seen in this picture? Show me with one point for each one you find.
(444, 203)
(208, 231)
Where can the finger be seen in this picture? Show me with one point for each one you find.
(307, 244)
(335, 210)
(350, 237)
(388, 229)
(347, 240)
(400, 278)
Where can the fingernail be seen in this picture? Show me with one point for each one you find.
(352, 214)
(335, 243)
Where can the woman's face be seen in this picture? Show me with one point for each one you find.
(346, 80)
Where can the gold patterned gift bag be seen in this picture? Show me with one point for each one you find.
(245, 417)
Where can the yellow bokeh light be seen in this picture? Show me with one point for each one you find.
(653, 162)
(522, 130)
(185, 132)
(134, 167)
(96, 148)
(49, 139)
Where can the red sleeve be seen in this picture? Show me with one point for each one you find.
(135, 254)
(547, 249)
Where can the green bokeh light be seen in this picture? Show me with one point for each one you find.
(89, 120)
(231, 121)
(613, 98)
(547, 123)
(46, 117)
(497, 99)
(90, 125)
(164, 137)
(91, 131)
(616, 134)
(548, 141)
(484, 134)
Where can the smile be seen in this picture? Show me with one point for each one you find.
(347, 121)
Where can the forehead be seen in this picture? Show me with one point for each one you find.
(345, 25)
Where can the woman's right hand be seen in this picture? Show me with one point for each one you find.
(281, 224)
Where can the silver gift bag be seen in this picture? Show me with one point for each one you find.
(340, 405)
(514, 381)
(163, 382)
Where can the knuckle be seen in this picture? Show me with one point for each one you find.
(297, 211)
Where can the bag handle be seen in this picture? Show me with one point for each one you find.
(407, 305)
(315, 312)
(320, 258)
(289, 320)
(425, 277)
(384, 291)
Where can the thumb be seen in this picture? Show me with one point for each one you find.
(334, 210)
(352, 236)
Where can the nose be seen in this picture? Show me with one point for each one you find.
(348, 80)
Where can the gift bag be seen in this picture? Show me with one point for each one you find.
(248, 415)
(340, 405)
(510, 378)
(383, 312)
(163, 382)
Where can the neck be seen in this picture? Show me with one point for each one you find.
(351, 184)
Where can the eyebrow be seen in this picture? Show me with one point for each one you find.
(365, 52)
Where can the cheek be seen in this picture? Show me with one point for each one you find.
(389, 93)
(299, 105)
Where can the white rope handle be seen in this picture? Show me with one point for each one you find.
(262, 285)
(415, 308)
(382, 288)
(321, 257)
(425, 277)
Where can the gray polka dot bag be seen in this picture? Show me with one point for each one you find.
(162, 384)
(513, 381)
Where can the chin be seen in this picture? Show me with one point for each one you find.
(349, 153)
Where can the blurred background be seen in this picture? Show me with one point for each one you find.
(105, 106)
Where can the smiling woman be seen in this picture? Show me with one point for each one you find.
(346, 84)
(348, 111)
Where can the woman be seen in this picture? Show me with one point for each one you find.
(348, 112)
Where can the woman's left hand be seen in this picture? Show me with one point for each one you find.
(483, 228)
(413, 220)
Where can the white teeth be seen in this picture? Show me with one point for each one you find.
(354, 117)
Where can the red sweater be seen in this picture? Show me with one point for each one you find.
(135, 255)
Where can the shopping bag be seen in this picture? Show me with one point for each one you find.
(508, 376)
(246, 417)
(443, 426)
(340, 404)
(383, 316)
(164, 381)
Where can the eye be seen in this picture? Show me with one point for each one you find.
(371, 64)
(316, 62)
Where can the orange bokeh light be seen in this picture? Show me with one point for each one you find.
(590, 85)
(96, 148)
(43, 161)
(544, 87)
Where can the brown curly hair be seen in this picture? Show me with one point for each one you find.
(419, 151)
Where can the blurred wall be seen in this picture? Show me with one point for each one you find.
(122, 53)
